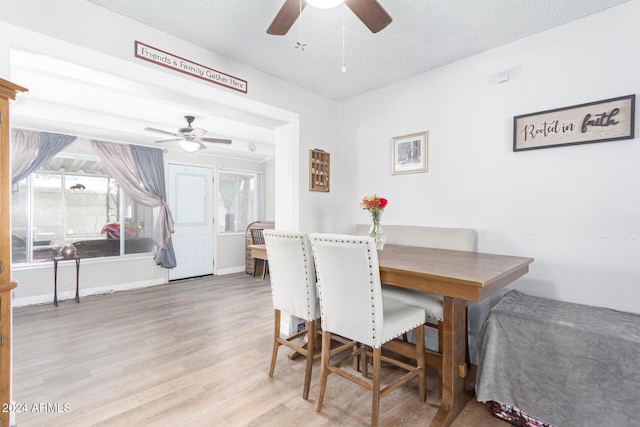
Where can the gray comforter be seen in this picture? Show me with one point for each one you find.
(565, 364)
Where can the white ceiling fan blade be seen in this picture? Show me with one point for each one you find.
(160, 131)
(170, 140)
(216, 140)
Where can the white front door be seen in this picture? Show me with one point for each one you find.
(191, 203)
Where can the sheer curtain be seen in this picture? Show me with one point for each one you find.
(145, 184)
(30, 149)
(228, 191)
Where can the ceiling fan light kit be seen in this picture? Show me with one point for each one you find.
(189, 146)
(325, 4)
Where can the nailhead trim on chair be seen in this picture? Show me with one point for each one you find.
(373, 318)
(310, 315)
(315, 261)
(354, 241)
(371, 273)
(306, 275)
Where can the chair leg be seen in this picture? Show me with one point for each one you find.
(255, 266)
(324, 372)
(375, 405)
(318, 334)
(265, 268)
(311, 333)
(276, 344)
(420, 362)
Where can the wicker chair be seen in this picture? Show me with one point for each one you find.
(257, 237)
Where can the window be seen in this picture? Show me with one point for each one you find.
(237, 200)
(74, 200)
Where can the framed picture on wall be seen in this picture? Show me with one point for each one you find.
(409, 153)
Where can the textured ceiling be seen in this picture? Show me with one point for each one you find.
(424, 34)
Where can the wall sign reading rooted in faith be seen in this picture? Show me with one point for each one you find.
(607, 120)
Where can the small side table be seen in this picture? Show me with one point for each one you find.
(57, 259)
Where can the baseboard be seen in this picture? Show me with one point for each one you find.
(99, 290)
(230, 270)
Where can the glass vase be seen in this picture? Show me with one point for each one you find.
(376, 231)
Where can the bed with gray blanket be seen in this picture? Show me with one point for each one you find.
(565, 364)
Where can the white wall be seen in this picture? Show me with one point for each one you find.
(95, 37)
(35, 285)
(87, 25)
(576, 209)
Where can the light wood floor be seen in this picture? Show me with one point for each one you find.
(190, 353)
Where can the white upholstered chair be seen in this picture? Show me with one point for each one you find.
(459, 239)
(352, 305)
(293, 288)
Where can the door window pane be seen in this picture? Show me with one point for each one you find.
(190, 205)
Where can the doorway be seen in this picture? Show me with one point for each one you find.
(191, 203)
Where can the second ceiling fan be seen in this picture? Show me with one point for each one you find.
(189, 138)
(370, 12)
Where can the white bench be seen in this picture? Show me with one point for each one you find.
(459, 239)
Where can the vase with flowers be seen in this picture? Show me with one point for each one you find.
(375, 205)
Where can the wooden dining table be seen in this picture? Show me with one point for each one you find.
(459, 277)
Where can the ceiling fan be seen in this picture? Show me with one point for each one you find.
(370, 12)
(190, 139)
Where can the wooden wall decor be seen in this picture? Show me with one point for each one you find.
(319, 170)
(600, 121)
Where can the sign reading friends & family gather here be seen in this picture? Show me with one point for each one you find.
(607, 120)
(191, 68)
